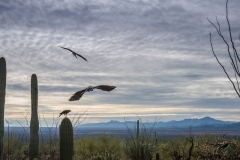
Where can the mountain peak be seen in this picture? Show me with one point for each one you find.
(208, 118)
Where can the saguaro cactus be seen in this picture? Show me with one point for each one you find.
(66, 139)
(34, 124)
(3, 75)
(157, 156)
(137, 129)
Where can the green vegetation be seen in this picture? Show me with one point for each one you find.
(105, 147)
(141, 145)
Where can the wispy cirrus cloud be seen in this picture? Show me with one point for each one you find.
(158, 55)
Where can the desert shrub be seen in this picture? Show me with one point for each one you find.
(48, 151)
(177, 148)
(103, 147)
(103, 156)
(217, 147)
(15, 147)
(141, 143)
(205, 147)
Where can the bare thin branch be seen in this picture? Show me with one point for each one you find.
(230, 32)
(78, 118)
(223, 67)
(228, 48)
(237, 82)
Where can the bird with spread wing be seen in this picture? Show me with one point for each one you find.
(74, 53)
(65, 112)
(79, 94)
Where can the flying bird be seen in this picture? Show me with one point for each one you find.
(74, 53)
(79, 94)
(65, 112)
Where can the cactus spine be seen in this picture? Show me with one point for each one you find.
(34, 124)
(66, 139)
(3, 75)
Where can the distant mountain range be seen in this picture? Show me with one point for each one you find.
(206, 125)
(206, 121)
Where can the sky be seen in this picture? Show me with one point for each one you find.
(157, 53)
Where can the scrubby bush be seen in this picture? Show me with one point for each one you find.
(103, 147)
(141, 143)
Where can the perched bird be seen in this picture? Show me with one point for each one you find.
(65, 112)
(74, 53)
(79, 94)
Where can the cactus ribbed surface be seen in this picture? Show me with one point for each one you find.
(34, 124)
(3, 74)
(66, 139)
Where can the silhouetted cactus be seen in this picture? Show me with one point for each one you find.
(66, 139)
(34, 124)
(3, 74)
(157, 156)
(156, 141)
(142, 153)
(137, 129)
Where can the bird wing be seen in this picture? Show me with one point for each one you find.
(105, 87)
(77, 95)
(74, 53)
(81, 56)
(66, 49)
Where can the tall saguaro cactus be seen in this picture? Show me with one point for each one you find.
(157, 156)
(3, 74)
(34, 124)
(66, 139)
(137, 129)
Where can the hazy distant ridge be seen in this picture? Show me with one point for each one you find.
(176, 128)
(182, 123)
